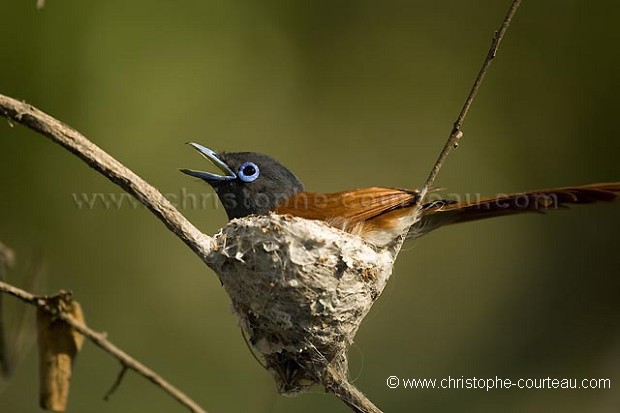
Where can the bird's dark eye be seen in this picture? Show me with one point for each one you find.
(248, 172)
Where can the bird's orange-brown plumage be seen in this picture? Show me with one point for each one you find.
(352, 206)
(381, 214)
(359, 211)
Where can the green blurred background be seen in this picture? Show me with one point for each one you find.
(348, 94)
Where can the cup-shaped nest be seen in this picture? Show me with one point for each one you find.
(301, 289)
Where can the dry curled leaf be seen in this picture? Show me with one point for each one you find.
(59, 344)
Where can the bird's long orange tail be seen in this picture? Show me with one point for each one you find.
(439, 213)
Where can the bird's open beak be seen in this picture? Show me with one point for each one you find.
(215, 160)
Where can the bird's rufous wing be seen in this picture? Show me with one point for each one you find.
(346, 209)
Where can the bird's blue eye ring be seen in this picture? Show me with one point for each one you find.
(248, 172)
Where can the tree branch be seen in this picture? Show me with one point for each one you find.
(326, 280)
(456, 134)
(348, 393)
(109, 167)
(101, 341)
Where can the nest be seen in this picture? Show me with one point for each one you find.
(301, 289)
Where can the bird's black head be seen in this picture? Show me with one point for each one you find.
(253, 183)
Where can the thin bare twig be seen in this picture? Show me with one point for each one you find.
(117, 382)
(456, 134)
(101, 341)
(109, 167)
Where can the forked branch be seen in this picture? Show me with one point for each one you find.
(101, 341)
(202, 245)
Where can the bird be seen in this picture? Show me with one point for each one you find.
(255, 184)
